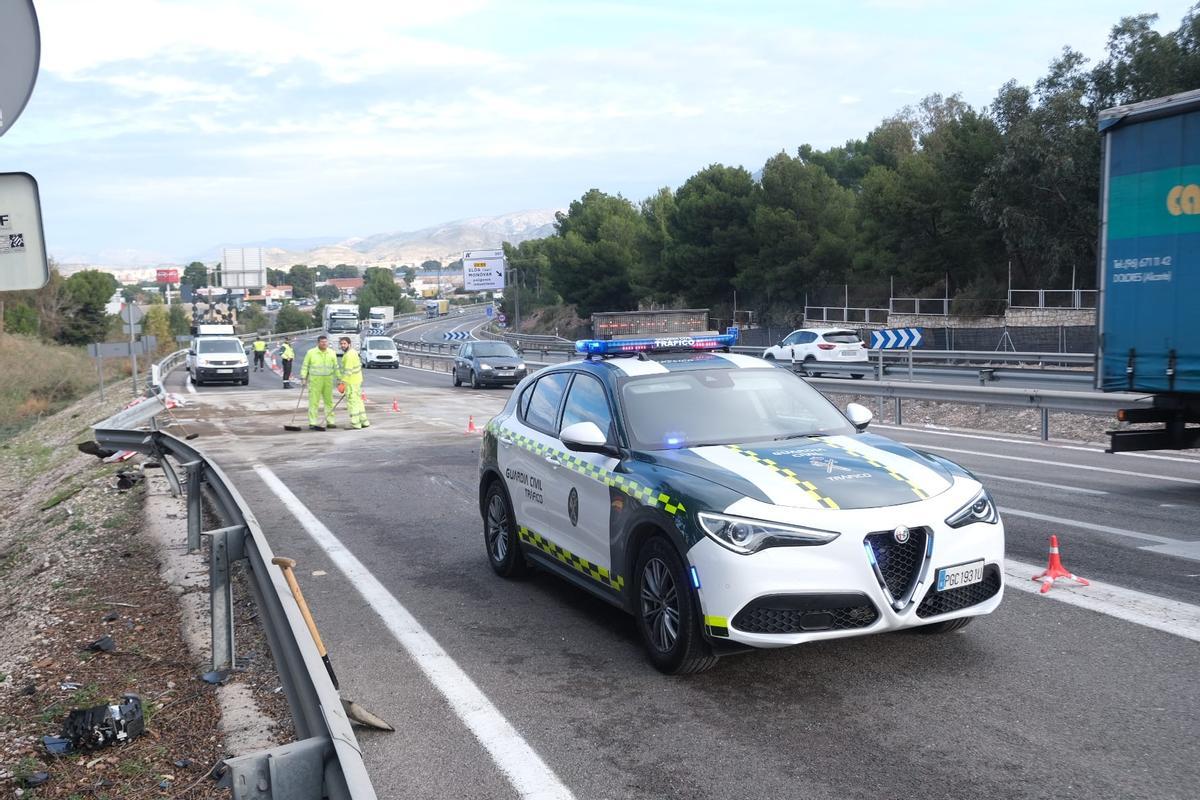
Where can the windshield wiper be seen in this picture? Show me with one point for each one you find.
(797, 436)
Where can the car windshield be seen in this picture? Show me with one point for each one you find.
(842, 337)
(343, 324)
(725, 406)
(493, 349)
(380, 344)
(219, 346)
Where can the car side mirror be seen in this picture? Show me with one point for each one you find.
(586, 437)
(191, 352)
(859, 415)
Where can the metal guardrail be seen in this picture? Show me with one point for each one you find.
(326, 760)
(1042, 400)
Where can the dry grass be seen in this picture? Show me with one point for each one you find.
(42, 378)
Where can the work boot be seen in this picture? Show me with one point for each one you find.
(315, 428)
(330, 424)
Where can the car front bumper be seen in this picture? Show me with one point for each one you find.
(491, 377)
(832, 591)
(222, 373)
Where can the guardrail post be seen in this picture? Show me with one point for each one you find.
(878, 369)
(195, 475)
(1045, 424)
(899, 411)
(220, 592)
(910, 363)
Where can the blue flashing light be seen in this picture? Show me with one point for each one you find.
(660, 344)
(870, 553)
(695, 578)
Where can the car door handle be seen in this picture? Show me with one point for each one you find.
(506, 441)
(553, 460)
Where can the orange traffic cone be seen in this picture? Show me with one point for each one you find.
(471, 425)
(1055, 569)
(395, 405)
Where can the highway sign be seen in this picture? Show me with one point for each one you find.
(23, 262)
(501, 318)
(20, 42)
(501, 324)
(483, 270)
(132, 330)
(131, 314)
(456, 335)
(896, 338)
(490, 311)
(166, 275)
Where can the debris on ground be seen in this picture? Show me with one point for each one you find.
(127, 479)
(106, 725)
(104, 644)
(216, 677)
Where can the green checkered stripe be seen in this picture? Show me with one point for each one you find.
(643, 494)
(593, 571)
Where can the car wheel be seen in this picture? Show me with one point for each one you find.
(500, 534)
(667, 617)
(857, 375)
(457, 380)
(474, 380)
(769, 357)
(949, 626)
(191, 378)
(245, 381)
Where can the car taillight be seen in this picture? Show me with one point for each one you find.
(827, 346)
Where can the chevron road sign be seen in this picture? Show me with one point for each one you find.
(896, 338)
(452, 335)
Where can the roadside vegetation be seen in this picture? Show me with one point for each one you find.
(941, 197)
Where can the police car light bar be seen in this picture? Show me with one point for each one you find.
(661, 344)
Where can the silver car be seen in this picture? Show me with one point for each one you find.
(488, 364)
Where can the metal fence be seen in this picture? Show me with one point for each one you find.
(325, 760)
(1052, 298)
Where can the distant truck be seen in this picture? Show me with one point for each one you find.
(381, 316)
(341, 319)
(437, 308)
(1149, 270)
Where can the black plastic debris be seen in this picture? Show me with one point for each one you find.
(164, 784)
(183, 763)
(216, 677)
(28, 690)
(56, 745)
(127, 479)
(94, 449)
(104, 726)
(37, 779)
(111, 616)
(103, 644)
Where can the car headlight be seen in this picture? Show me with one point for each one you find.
(521, 365)
(483, 365)
(980, 509)
(747, 536)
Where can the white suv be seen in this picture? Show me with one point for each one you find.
(820, 344)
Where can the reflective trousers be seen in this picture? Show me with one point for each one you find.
(354, 405)
(320, 389)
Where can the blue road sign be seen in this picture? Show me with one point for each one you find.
(896, 338)
(491, 311)
(456, 335)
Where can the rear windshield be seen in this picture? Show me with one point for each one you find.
(842, 337)
(219, 346)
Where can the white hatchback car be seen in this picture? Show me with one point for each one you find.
(809, 345)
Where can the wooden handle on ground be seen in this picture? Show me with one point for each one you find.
(286, 564)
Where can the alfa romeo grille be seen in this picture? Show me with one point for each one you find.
(899, 563)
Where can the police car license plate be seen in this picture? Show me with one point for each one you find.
(957, 577)
(224, 372)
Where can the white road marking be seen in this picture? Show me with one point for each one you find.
(1159, 613)
(523, 767)
(394, 380)
(1032, 442)
(1058, 486)
(1091, 526)
(1044, 462)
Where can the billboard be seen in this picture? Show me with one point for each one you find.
(166, 275)
(483, 270)
(243, 268)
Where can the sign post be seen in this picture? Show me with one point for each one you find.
(896, 339)
(131, 315)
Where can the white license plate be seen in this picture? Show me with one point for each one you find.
(504, 372)
(224, 372)
(962, 575)
(849, 353)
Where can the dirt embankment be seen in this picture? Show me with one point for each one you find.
(76, 566)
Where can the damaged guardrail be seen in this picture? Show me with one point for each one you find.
(325, 760)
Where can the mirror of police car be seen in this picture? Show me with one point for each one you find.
(23, 263)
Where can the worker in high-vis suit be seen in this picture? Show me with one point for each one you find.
(319, 372)
(286, 357)
(351, 385)
(260, 354)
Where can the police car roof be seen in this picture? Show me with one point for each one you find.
(663, 363)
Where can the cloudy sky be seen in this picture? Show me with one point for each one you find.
(161, 129)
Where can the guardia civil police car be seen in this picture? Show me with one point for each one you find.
(726, 504)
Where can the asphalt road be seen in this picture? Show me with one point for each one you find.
(1040, 699)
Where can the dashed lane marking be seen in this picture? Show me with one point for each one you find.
(1043, 484)
(1067, 464)
(523, 767)
(1151, 611)
(1091, 526)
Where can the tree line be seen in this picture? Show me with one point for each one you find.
(941, 196)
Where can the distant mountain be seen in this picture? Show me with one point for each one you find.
(445, 242)
(293, 244)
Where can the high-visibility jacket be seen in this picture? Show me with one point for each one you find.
(351, 368)
(288, 353)
(319, 363)
(260, 346)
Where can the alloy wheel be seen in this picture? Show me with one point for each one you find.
(660, 604)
